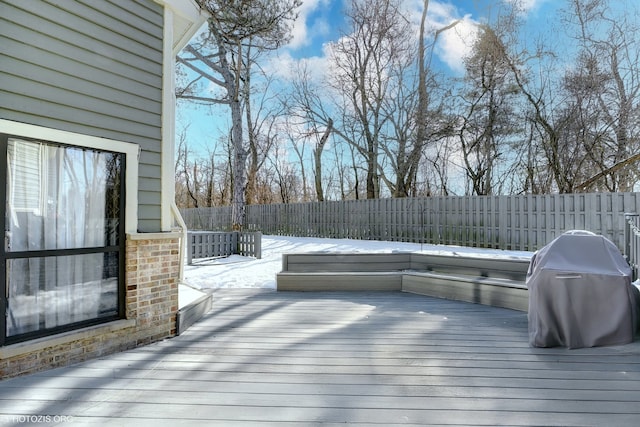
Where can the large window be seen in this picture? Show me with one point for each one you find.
(62, 258)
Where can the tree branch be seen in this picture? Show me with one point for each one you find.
(209, 63)
(204, 99)
(589, 182)
(203, 73)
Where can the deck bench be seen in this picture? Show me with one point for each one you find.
(331, 271)
(498, 282)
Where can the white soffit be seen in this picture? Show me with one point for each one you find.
(188, 18)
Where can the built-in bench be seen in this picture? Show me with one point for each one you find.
(492, 281)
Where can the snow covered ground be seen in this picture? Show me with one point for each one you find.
(244, 272)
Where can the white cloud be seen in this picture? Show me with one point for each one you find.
(285, 66)
(280, 66)
(301, 33)
(452, 47)
(441, 12)
(527, 5)
(454, 44)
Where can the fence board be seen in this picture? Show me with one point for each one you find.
(519, 222)
(211, 244)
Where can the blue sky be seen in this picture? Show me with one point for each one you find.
(322, 21)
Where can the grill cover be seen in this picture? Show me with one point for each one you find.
(580, 293)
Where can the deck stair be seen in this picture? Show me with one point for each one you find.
(495, 281)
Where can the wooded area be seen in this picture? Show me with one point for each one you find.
(533, 113)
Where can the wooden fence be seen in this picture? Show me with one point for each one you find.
(525, 222)
(212, 244)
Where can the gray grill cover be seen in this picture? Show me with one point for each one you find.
(580, 293)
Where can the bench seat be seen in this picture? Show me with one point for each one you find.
(494, 291)
(497, 282)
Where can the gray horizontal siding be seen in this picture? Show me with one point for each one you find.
(81, 65)
(91, 67)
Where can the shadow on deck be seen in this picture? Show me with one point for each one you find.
(265, 358)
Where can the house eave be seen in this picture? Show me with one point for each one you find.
(188, 18)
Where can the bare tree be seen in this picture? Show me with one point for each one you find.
(307, 108)
(583, 120)
(397, 140)
(184, 187)
(317, 160)
(430, 125)
(188, 174)
(376, 35)
(262, 132)
(287, 180)
(299, 149)
(487, 118)
(534, 71)
(234, 26)
(607, 82)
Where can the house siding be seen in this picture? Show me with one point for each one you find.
(89, 67)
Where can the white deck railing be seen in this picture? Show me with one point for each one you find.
(632, 241)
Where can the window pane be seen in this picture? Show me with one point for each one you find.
(61, 197)
(45, 293)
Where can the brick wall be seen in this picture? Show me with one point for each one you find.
(153, 269)
(151, 280)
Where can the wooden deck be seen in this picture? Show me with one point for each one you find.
(265, 358)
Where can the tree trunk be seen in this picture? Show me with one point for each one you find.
(317, 158)
(239, 161)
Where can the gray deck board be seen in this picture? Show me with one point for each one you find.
(264, 358)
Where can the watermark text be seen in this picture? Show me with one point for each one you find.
(36, 419)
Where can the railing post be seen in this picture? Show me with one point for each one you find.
(257, 244)
(630, 242)
(235, 242)
(189, 248)
(628, 233)
(627, 236)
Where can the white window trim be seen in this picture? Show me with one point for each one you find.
(131, 151)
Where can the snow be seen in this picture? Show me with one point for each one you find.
(246, 272)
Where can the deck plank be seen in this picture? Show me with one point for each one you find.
(264, 358)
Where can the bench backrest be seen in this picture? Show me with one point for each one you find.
(345, 262)
(507, 268)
